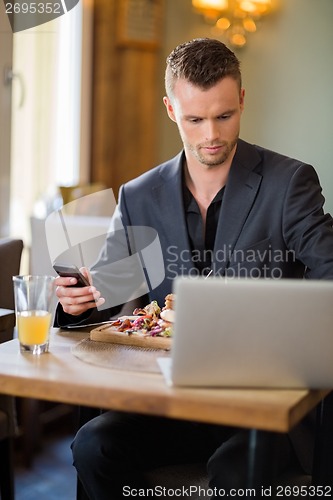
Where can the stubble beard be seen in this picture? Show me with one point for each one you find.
(214, 161)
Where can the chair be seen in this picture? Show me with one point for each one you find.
(85, 204)
(195, 476)
(10, 261)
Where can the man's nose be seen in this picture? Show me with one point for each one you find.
(212, 131)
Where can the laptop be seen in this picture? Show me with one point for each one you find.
(251, 333)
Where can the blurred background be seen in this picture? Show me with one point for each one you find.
(81, 96)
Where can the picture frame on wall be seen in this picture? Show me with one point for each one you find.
(139, 23)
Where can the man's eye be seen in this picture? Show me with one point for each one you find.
(224, 117)
(195, 120)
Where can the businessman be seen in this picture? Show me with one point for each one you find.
(220, 205)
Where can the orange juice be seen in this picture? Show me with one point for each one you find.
(33, 327)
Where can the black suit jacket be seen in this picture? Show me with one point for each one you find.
(271, 222)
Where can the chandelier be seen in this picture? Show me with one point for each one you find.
(234, 19)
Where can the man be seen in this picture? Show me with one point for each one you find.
(221, 205)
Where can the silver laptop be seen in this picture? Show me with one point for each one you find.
(252, 333)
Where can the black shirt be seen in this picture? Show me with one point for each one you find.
(201, 242)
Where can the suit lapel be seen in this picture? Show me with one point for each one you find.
(240, 193)
(169, 207)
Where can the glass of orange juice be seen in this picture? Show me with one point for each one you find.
(34, 307)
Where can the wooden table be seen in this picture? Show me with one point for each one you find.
(60, 377)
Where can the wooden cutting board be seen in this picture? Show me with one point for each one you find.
(106, 333)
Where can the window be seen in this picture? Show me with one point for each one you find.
(46, 116)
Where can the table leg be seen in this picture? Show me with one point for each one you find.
(31, 428)
(262, 461)
(323, 453)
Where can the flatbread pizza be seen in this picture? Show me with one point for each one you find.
(149, 327)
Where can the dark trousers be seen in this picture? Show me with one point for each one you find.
(114, 450)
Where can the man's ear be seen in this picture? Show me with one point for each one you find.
(169, 108)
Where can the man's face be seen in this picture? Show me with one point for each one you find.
(208, 120)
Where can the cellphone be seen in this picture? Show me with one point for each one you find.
(69, 270)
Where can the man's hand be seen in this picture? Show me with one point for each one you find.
(77, 300)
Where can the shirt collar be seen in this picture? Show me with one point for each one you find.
(190, 204)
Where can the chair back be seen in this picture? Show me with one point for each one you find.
(10, 262)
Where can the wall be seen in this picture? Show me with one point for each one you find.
(288, 77)
(6, 50)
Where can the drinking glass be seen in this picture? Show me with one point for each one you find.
(34, 307)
